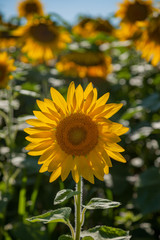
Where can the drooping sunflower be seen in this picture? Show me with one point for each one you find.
(132, 13)
(89, 27)
(75, 135)
(85, 64)
(6, 67)
(41, 39)
(149, 42)
(28, 8)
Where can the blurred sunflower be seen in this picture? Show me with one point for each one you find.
(132, 13)
(41, 39)
(75, 135)
(89, 28)
(6, 67)
(28, 8)
(85, 64)
(149, 42)
(6, 37)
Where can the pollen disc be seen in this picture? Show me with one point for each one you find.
(77, 134)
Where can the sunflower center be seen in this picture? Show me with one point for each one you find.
(86, 59)
(42, 33)
(154, 30)
(3, 71)
(77, 134)
(103, 26)
(31, 8)
(137, 12)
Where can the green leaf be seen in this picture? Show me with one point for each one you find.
(28, 231)
(104, 232)
(100, 203)
(149, 191)
(58, 215)
(63, 195)
(65, 237)
(87, 238)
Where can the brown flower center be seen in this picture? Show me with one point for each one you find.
(137, 11)
(103, 26)
(31, 7)
(154, 30)
(43, 33)
(86, 59)
(3, 71)
(77, 134)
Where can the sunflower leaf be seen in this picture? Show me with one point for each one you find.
(100, 203)
(65, 237)
(58, 215)
(88, 238)
(64, 194)
(104, 232)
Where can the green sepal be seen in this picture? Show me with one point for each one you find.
(58, 215)
(65, 237)
(64, 194)
(100, 203)
(104, 232)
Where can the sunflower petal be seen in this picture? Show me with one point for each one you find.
(55, 174)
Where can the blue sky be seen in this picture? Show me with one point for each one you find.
(68, 9)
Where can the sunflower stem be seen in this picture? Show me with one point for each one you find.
(78, 203)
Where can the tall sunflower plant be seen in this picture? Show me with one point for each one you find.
(77, 136)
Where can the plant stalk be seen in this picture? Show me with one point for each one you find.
(78, 204)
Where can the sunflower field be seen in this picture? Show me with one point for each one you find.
(80, 101)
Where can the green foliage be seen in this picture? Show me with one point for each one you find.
(149, 191)
(99, 203)
(63, 195)
(103, 232)
(65, 237)
(58, 215)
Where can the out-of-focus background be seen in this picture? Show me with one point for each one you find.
(116, 47)
(68, 10)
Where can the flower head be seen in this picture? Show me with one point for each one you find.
(28, 8)
(85, 64)
(149, 42)
(6, 37)
(89, 27)
(132, 13)
(42, 39)
(6, 67)
(75, 135)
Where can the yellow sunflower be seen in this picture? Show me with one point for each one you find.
(28, 8)
(149, 42)
(41, 39)
(132, 13)
(85, 64)
(6, 37)
(75, 135)
(6, 67)
(89, 27)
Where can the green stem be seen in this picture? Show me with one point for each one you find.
(22, 197)
(78, 203)
(71, 229)
(35, 192)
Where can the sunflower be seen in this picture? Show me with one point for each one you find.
(85, 64)
(6, 67)
(41, 39)
(28, 8)
(89, 27)
(75, 135)
(6, 37)
(149, 43)
(132, 13)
